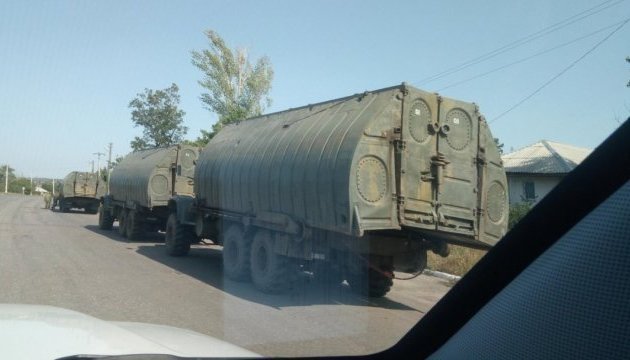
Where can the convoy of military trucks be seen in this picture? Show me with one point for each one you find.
(356, 189)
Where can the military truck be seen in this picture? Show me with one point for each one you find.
(81, 190)
(141, 186)
(353, 188)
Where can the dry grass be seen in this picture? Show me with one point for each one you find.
(459, 261)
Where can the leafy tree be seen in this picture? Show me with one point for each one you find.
(158, 113)
(47, 186)
(204, 138)
(499, 145)
(236, 89)
(115, 162)
(17, 184)
(104, 173)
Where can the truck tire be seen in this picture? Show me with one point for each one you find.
(63, 207)
(134, 225)
(269, 270)
(92, 209)
(178, 237)
(371, 282)
(236, 254)
(122, 222)
(105, 219)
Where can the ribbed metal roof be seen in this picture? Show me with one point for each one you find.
(545, 157)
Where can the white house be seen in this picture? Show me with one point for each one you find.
(40, 189)
(536, 169)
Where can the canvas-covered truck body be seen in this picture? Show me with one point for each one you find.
(81, 190)
(141, 186)
(360, 186)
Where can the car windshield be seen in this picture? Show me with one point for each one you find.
(294, 178)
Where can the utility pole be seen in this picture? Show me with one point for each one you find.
(109, 165)
(53, 193)
(6, 180)
(31, 186)
(92, 162)
(98, 154)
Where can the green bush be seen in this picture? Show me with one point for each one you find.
(458, 262)
(517, 212)
(461, 259)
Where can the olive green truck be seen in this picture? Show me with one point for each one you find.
(350, 189)
(81, 190)
(355, 189)
(141, 186)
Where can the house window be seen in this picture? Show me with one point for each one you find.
(529, 190)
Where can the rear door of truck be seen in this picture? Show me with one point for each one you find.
(416, 184)
(81, 184)
(438, 171)
(456, 165)
(186, 157)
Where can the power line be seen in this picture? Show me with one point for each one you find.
(524, 40)
(532, 56)
(561, 72)
(529, 38)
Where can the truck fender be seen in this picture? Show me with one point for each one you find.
(182, 206)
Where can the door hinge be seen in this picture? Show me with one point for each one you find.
(400, 200)
(480, 159)
(400, 145)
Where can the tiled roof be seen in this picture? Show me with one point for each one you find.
(545, 157)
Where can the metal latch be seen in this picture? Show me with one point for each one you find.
(426, 176)
(439, 162)
(400, 145)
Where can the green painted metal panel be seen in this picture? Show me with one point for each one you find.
(151, 177)
(83, 184)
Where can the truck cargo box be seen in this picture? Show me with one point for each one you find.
(149, 178)
(83, 184)
(395, 158)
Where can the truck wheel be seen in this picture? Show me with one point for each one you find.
(105, 219)
(134, 225)
(269, 270)
(178, 237)
(372, 282)
(236, 254)
(122, 222)
(421, 261)
(92, 209)
(63, 207)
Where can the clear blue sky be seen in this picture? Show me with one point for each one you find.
(68, 69)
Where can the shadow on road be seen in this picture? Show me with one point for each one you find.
(204, 263)
(114, 235)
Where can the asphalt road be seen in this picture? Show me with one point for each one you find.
(63, 259)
